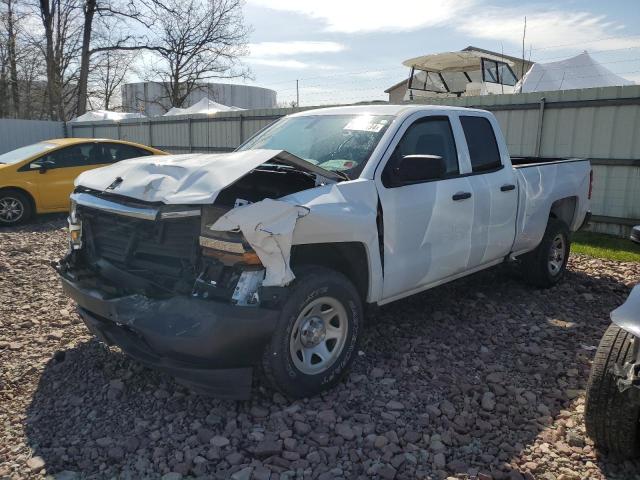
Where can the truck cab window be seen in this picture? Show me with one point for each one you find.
(483, 148)
(430, 136)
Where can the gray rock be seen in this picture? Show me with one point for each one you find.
(244, 474)
(488, 401)
(35, 464)
(172, 476)
(345, 431)
(394, 405)
(439, 461)
(219, 441)
(267, 448)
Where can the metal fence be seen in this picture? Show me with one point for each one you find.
(18, 133)
(222, 132)
(602, 124)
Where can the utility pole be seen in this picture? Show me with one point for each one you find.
(297, 93)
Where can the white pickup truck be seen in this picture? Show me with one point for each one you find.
(210, 265)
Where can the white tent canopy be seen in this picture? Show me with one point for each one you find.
(204, 106)
(97, 115)
(580, 71)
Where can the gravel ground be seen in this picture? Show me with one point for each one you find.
(483, 379)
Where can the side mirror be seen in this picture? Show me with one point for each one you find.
(46, 165)
(419, 168)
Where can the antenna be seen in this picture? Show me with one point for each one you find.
(524, 35)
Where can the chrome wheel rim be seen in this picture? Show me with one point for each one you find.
(11, 209)
(556, 254)
(318, 336)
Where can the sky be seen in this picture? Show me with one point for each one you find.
(352, 50)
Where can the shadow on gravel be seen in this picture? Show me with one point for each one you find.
(480, 376)
(40, 223)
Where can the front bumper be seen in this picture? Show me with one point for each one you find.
(210, 346)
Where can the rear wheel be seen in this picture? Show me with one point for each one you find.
(612, 416)
(317, 334)
(545, 266)
(15, 207)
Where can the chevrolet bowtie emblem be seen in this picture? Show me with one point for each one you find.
(115, 183)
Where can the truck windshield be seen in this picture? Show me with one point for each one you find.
(334, 142)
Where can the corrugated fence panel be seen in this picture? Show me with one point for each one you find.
(18, 133)
(602, 124)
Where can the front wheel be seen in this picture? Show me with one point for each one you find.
(611, 415)
(317, 334)
(15, 207)
(545, 266)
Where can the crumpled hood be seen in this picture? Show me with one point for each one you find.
(185, 179)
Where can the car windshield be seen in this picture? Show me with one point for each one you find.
(341, 143)
(22, 153)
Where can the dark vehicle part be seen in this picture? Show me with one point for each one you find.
(317, 333)
(545, 266)
(612, 409)
(15, 207)
(211, 346)
(635, 234)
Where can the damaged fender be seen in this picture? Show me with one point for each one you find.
(268, 227)
(335, 213)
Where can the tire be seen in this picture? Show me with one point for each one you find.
(611, 416)
(288, 360)
(15, 207)
(536, 265)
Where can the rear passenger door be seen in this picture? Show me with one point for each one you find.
(494, 188)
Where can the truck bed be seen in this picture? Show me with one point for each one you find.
(557, 185)
(519, 162)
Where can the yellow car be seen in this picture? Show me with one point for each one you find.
(39, 178)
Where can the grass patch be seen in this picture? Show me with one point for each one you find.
(605, 246)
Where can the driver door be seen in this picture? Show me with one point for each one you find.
(427, 225)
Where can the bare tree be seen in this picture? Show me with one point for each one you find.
(114, 14)
(4, 69)
(110, 71)
(11, 28)
(62, 46)
(196, 40)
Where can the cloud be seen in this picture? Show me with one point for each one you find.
(289, 63)
(355, 16)
(549, 30)
(278, 49)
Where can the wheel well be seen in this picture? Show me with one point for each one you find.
(32, 201)
(564, 209)
(348, 258)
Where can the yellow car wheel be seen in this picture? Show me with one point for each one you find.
(15, 207)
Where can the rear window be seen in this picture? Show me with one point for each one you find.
(483, 147)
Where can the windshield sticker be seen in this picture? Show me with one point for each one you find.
(365, 123)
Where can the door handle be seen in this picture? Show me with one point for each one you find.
(461, 196)
(507, 188)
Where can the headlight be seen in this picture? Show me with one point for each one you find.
(75, 228)
(228, 247)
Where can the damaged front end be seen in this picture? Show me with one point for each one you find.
(192, 289)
